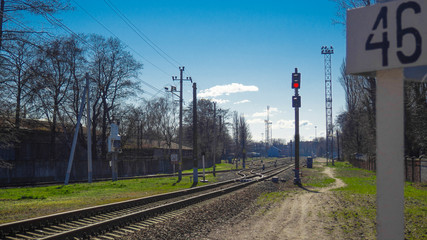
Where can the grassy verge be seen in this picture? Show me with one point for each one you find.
(219, 167)
(314, 177)
(22, 203)
(357, 214)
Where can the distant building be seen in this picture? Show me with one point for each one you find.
(274, 152)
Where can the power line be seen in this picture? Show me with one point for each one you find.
(63, 26)
(132, 49)
(57, 22)
(144, 37)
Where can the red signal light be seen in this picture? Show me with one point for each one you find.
(296, 79)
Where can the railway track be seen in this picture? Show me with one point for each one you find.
(113, 220)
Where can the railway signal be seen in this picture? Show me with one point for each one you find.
(296, 80)
(296, 103)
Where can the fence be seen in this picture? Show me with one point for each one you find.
(363, 161)
(415, 167)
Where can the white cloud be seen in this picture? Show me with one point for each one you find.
(226, 90)
(255, 120)
(264, 114)
(283, 124)
(305, 123)
(220, 101)
(243, 101)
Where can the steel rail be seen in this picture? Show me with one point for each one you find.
(122, 221)
(11, 229)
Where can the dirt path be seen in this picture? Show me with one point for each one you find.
(302, 215)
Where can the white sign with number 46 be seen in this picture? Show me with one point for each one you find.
(386, 36)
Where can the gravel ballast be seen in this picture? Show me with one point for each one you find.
(198, 221)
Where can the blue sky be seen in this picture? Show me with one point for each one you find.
(254, 44)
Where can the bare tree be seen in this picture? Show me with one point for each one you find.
(54, 78)
(244, 137)
(114, 71)
(206, 128)
(344, 5)
(17, 70)
(415, 118)
(12, 11)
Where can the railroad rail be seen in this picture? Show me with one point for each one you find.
(103, 219)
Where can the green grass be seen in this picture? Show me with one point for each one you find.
(361, 193)
(271, 197)
(313, 177)
(22, 203)
(219, 167)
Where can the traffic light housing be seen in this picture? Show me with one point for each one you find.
(296, 101)
(296, 80)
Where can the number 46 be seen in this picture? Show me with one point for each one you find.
(385, 44)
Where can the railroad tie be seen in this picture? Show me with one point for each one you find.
(36, 235)
(24, 236)
(106, 237)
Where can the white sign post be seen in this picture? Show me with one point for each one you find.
(174, 161)
(389, 40)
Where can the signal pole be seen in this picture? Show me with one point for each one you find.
(296, 103)
(174, 78)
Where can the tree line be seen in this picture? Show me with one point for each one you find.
(44, 76)
(357, 123)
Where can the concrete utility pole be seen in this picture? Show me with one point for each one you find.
(1, 21)
(89, 137)
(76, 132)
(195, 160)
(73, 147)
(338, 146)
(174, 78)
(214, 141)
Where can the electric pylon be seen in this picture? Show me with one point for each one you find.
(327, 52)
(267, 130)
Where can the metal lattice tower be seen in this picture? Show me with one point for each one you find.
(268, 128)
(327, 52)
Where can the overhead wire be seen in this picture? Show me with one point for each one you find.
(132, 49)
(144, 37)
(60, 24)
(49, 17)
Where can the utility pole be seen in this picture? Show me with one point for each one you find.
(89, 137)
(338, 146)
(76, 133)
(214, 141)
(174, 78)
(221, 138)
(296, 103)
(88, 127)
(195, 160)
(1, 22)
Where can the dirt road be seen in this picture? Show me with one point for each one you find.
(301, 215)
